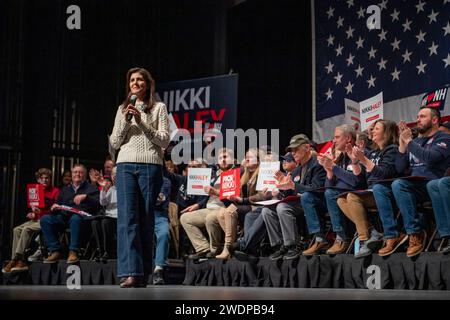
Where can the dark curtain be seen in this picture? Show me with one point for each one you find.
(270, 49)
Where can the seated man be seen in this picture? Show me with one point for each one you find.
(339, 178)
(439, 191)
(428, 156)
(206, 216)
(162, 232)
(80, 195)
(23, 233)
(281, 221)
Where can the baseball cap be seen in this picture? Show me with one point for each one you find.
(297, 141)
(288, 157)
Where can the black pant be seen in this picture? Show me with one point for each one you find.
(105, 232)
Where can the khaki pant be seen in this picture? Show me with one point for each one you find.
(194, 221)
(354, 207)
(22, 236)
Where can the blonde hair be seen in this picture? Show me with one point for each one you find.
(250, 178)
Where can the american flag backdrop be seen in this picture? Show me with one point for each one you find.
(406, 58)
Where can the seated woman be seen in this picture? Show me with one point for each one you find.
(379, 165)
(228, 217)
(24, 233)
(105, 227)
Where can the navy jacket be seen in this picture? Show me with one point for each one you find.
(92, 202)
(344, 178)
(183, 200)
(426, 156)
(163, 206)
(315, 176)
(384, 161)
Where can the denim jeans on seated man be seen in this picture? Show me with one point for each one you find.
(384, 198)
(52, 224)
(439, 192)
(162, 238)
(254, 232)
(408, 195)
(313, 204)
(337, 217)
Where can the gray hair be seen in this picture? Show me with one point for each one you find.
(347, 130)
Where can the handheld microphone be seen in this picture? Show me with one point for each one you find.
(133, 99)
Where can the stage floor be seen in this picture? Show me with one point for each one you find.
(179, 292)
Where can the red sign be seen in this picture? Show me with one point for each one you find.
(230, 183)
(327, 149)
(35, 195)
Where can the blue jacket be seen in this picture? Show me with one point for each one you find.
(426, 156)
(92, 202)
(314, 176)
(163, 206)
(344, 178)
(384, 164)
(183, 200)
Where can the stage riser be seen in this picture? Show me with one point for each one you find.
(92, 273)
(427, 271)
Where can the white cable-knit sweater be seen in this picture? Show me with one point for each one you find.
(143, 142)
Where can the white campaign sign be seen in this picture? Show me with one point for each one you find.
(266, 176)
(362, 115)
(352, 114)
(197, 179)
(371, 110)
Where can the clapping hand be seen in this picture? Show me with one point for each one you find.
(95, 176)
(285, 182)
(326, 161)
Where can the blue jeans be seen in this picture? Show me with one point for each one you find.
(407, 195)
(52, 224)
(384, 198)
(162, 238)
(439, 191)
(254, 231)
(336, 214)
(138, 186)
(313, 206)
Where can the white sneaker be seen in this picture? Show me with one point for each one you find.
(35, 256)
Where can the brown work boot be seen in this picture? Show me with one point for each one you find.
(53, 258)
(11, 264)
(20, 266)
(416, 244)
(316, 248)
(73, 257)
(392, 244)
(338, 247)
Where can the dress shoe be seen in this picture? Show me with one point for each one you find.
(198, 255)
(243, 256)
(134, 282)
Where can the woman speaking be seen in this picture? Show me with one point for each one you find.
(141, 131)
